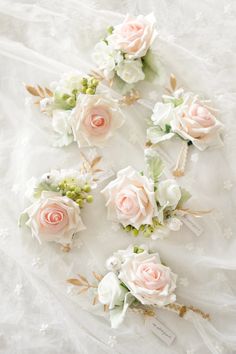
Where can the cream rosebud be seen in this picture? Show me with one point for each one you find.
(110, 292)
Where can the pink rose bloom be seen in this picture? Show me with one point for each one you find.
(148, 280)
(94, 119)
(54, 218)
(134, 36)
(197, 124)
(130, 199)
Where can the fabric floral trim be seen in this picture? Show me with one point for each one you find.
(136, 279)
(147, 204)
(184, 115)
(80, 111)
(57, 200)
(125, 52)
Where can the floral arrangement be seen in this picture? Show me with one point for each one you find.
(147, 204)
(80, 112)
(186, 116)
(125, 52)
(136, 279)
(57, 199)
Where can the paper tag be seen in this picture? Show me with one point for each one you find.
(192, 225)
(161, 331)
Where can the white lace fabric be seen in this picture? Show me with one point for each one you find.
(40, 312)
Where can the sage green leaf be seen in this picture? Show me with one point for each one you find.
(155, 164)
(185, 196)
(24, 217)
(44, 187)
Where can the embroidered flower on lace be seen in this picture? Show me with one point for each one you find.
(44, 328)
(227, 233)
(112, 341)
(18, 289)
(37, 263)
(228, 184)
(183, 282)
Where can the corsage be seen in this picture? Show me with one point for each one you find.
(80, 112)
(125, 54)
(150, 205)
(58, 198)
(138, 280)
(186, 116)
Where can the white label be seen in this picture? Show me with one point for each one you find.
(161, 331)
(192, 225)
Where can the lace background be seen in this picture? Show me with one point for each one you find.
(39, 311)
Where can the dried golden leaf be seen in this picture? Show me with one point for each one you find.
(49, 92)
(41, 91)
(97, 276)
(32, 90)
(76, 282)
(83, 280)
(173, 82)
(95, 161)
(105, 308)
(98, 170)
(95, 300)
(83, 290)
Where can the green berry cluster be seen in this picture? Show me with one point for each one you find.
(89, 85)
(66, 100)
(77, 194)
(146, 230)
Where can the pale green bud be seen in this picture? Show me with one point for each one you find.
(89, 198)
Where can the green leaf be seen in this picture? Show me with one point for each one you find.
(110, 29)
(185, 196)
(150, 68)
(23, 219)
(167, 128)
(44, 187)
(155, 164)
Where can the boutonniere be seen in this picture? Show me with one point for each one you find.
(125, 54)
(57, 199)
(138, 280)
(147, 204)
(80, 112)
(186, 116)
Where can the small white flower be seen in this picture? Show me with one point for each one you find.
(130, 71)
(110, 292)
(113, 263)
(106, 59)
(61, 125)
(168, 193)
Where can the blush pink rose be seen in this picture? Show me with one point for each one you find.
(130, 199)
(148, 280)
(134, 36)
(197, 124)
(94, 119)
(54, 218)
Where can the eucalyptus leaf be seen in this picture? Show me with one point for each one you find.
(185, 196)
(155, 164)
(43, 186)
(150, 68)
(156, 135)
(24, 217)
